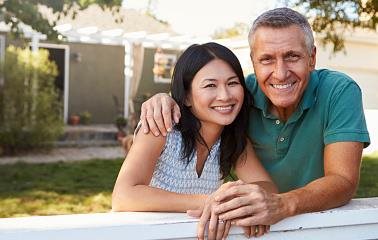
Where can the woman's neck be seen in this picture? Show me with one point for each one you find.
(210, 133)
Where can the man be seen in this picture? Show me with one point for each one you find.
(307, 127)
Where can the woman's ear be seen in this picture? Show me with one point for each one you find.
(188, 101)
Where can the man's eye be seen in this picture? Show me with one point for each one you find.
(209, 85)
(266, 61)
(292, 58)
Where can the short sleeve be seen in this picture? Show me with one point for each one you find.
(346, 119)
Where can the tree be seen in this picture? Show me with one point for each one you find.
(237, 30)
(15, 12)
(30, 110)
(332, 18)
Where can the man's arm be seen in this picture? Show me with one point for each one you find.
(342, 162)
(341, 168)
(157, 114)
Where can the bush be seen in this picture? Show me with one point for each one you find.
(121, 123)
(85, 117)
(30, 112)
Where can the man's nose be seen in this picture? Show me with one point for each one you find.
(280, 70)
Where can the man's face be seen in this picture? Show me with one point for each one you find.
(282, 66)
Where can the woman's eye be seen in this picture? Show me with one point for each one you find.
(234, 83)
(210, 85)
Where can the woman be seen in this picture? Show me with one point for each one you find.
(180, 171)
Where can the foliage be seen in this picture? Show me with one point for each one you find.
(121, 123)
(85, 117)
(15, 12)
(332, 17)
(238, 29)
(57, 188)
(29, 106)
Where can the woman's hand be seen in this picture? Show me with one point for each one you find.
(216, 228)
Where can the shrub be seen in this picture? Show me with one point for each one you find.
(30, 112)
(85, 117)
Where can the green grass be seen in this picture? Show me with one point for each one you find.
(369, 177)
(57, 188)
(84, 187)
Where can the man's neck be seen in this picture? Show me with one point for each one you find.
(282, 113)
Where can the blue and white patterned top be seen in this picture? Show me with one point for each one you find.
(174, 174)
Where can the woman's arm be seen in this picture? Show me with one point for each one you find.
(132, 191)
(250, 170)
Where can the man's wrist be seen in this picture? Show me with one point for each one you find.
(290, 203)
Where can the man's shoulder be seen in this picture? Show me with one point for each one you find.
(327, 76)
(251, 82)
(330, 80)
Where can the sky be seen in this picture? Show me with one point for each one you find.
(201, 18)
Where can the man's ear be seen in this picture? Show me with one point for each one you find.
(313, 58)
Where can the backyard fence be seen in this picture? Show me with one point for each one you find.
(356, 220)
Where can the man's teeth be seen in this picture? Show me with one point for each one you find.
(223, 108)
(282, 86)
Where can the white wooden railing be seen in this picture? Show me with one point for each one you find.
(356, 220)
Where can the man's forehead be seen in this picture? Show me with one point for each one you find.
(286, 39)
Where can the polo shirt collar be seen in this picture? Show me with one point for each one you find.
(260, 101)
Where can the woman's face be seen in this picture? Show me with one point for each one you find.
(216, 94)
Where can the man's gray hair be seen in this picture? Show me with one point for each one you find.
(282, 18)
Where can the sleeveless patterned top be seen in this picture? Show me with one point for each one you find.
(174, 174)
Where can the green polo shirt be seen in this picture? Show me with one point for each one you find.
(292, 152)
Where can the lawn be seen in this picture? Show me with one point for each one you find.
(83, 187)
(57, 188)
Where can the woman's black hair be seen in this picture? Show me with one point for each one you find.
(234, 135)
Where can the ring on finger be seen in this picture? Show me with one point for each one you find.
(221, 221)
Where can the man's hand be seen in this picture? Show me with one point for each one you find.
(157, 114)
(247, 205)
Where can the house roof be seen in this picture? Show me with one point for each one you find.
(95, 25)
(133, 20)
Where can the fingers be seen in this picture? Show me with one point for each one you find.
(176, 113)
(232, 204)
(150, 120)
(236, 210)
(156, 114)
(226, 229)
(158, 118)
(237, 189)
(213, 224)
(166, 112)
(203, 221)
(247, 221)
(143, 119)
(262, 229)
(194, 213)
(220, 229)
(247, 231)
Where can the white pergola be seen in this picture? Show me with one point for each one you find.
(119, 37)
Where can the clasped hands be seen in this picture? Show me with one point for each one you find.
(237, 204)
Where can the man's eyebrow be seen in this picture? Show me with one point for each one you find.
(264, 55)
(292, 52)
